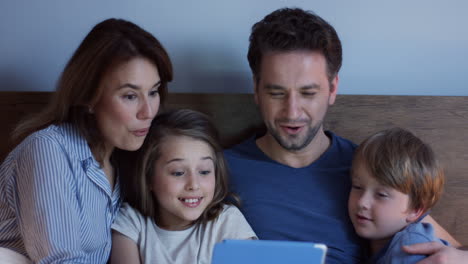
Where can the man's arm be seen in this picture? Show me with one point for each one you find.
(438, 252)
(440, 232)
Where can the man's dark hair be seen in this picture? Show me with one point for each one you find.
(290, 29)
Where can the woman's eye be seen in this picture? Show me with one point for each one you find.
(130, 96)
(205, 172)
(154, 93)
(356, 187)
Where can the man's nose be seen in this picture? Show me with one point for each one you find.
(292, 107)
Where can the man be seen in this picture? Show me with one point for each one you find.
(294, 180)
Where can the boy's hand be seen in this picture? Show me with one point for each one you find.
(439, 253)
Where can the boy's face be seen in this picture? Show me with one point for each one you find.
(376, 211)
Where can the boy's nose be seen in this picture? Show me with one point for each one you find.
(364, 201)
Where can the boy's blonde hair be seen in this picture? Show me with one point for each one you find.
(397, 158)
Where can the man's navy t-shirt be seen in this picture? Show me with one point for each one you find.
(300, 204)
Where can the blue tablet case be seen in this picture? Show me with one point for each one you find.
(268, 251)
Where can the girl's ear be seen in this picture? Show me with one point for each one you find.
(414, 215)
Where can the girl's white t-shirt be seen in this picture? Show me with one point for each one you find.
(192, 245)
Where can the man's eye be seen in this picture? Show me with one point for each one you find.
(308, 94)
(276, 94)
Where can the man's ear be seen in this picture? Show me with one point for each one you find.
(414, 215)
(333, 89)
(255, 85)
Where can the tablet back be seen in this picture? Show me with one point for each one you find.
(268, 251)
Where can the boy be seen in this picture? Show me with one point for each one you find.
(396, 179)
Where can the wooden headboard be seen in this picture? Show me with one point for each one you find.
(441, 121)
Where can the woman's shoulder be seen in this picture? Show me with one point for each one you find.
(54, 138)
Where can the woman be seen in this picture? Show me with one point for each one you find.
(59, 186)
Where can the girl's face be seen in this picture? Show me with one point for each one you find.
(128, 104)
(183, 183)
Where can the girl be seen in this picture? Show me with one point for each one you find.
(176, 211)
(59, 189)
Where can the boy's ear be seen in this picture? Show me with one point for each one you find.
(414, 214)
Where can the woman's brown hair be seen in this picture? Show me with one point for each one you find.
(109, 43)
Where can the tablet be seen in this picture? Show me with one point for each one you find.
(268, 251)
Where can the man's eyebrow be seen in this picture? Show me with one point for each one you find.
(310, 86)
(274, 87)
(136, 87)
(305, 87)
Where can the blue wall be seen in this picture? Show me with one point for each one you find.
(390, 47)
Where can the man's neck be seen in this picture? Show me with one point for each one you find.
(295, 159)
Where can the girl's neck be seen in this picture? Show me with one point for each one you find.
(173, 227)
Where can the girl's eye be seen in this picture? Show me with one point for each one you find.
(205, 172)
(177, 173)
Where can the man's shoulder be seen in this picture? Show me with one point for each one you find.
(341, 142)
(340, 153)
(244, 149)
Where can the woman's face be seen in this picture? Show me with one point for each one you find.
(128, 103)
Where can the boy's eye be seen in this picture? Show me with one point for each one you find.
(382, 195)
(177, 173)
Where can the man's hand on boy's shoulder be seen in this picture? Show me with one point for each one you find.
(439, 253)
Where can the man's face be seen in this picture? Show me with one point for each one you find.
(293, 94)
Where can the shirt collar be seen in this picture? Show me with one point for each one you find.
(76, 143)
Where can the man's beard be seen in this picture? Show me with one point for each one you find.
(290, 145)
